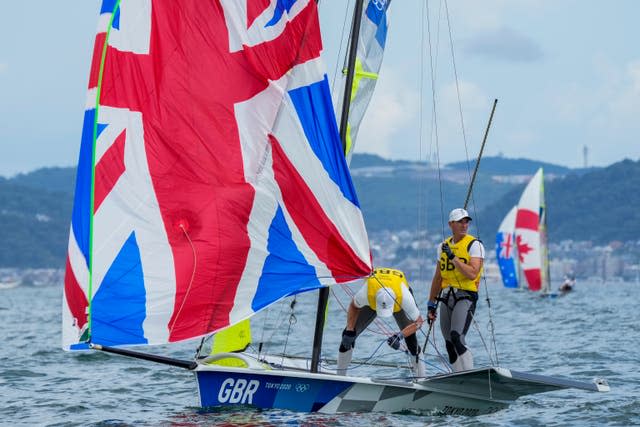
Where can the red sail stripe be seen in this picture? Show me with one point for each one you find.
(76, 299)
(527, 219)
(255, 9)
(109, 169)
(96, 59)
(533, 279)
(308, 215)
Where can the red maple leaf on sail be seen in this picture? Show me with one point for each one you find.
(523, 248)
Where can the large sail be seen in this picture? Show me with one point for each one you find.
(506, 249)
(211, 180)
(369, 54)
(528, 237)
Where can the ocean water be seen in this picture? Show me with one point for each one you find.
(592, 332)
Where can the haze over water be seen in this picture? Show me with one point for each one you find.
(592, 332)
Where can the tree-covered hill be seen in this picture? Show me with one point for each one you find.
(50, 179)
(599, 204)
(35, 226)
(505, 166)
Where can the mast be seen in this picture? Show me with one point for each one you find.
(545, 268)
(484, 141)
(323, 296)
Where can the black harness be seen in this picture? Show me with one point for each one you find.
(460, 295)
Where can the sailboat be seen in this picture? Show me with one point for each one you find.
(523, 231)
(212, 183)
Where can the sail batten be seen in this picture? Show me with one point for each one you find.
(218, 191)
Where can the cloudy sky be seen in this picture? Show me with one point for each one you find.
(566, 75)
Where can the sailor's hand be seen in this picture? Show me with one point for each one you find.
(348, 339)
(395, 340)
(447, 250)
(431, 311)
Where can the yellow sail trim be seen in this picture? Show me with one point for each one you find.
(359, 74)
(235, 338)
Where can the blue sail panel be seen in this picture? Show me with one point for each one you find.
(119, 306)
(506, 261)
(313, 106)
(285, 271)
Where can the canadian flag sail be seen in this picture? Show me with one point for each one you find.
(530, 232)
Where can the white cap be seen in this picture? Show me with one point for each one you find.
(458, 214)
(385, 299)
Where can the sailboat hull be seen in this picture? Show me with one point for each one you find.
(325, 393)
(476, 392)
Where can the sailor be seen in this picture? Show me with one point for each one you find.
(385, 293)
(455, 285)
(567, 285)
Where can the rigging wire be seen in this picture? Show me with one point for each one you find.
(423, 172)
(342, 47)
(435, 135)
(457, 81)
(470, 194)
(434, 117)
(292, 321)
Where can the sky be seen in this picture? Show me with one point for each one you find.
(566, 75)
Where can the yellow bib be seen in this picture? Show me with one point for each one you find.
(453, 277)
(388, 278)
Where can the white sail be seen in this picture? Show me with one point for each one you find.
(531, 246)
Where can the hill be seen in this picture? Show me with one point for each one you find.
(599, 205)
(35, 225)
(596, 204)
(504, 166)
(50, 179)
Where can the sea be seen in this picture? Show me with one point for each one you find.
(592, 332)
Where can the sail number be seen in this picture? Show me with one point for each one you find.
(446, 264)
(237, 391)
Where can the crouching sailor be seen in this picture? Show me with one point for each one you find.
(385, 293)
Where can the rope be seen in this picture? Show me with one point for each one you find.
(422, 176)
(193, 274)
(434, 118)
(292, 321)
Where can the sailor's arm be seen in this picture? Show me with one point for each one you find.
(352, 316)
(413, 312)
(412, 328)
(436, 284)
(471, 270)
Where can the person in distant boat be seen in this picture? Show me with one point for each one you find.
(455, 285)
(385, 293)
(568, 284)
